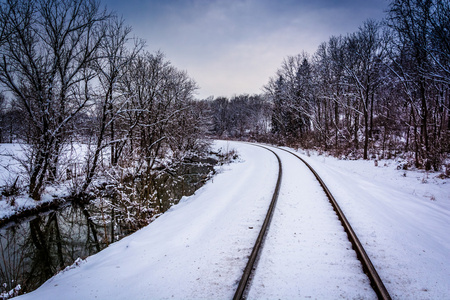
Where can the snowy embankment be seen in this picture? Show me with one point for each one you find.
(10, 175)
(195, 250)
(402, 219)
(198, 249)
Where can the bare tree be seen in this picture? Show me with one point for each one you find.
(364, 54)
(5, 28)
(420, 63)
(111, 65)
(242, 116)
(45, 64)
(159, 95)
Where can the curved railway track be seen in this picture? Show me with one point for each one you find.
(361, 254)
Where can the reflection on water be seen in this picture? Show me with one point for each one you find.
(33, 251)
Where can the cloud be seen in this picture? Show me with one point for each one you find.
(233, 47)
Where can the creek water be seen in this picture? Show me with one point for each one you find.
(35, 249)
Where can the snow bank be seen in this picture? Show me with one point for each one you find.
(402, 219)
(196, 250)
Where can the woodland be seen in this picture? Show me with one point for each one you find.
(73, 76)
(380, 92)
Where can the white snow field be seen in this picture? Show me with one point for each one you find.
(402, 218)
(199, 248)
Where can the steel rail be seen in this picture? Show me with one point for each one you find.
(369, 269)
(239, 294)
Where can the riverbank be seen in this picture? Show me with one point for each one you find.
(15, 203)
(40, 238)
(25, 207)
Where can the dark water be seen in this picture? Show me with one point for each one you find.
(34, 250)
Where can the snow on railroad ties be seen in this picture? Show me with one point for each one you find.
(306, 253)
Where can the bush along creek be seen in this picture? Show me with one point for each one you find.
(35, 249)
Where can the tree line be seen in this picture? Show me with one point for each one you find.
(378, 92)
(74, 74)
(383, 88)
(240, 117)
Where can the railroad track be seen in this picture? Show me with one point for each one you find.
(367, 266)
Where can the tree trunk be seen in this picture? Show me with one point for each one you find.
(366, 133)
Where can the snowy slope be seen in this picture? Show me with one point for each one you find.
(198, 249)
(402, 218)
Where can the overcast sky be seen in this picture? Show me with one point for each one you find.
(231, 47)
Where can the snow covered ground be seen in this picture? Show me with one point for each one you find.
(11, 170)
(307, 253)
(402, 218)
(198, 249)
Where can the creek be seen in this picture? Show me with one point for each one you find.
(35, 249)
